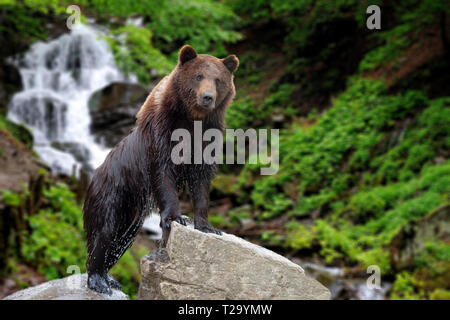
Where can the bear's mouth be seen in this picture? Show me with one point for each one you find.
(207, 107)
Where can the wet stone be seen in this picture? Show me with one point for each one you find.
(70, 288)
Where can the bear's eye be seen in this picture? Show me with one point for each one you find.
(217, 82)
(199, 77)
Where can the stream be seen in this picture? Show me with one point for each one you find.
(340, 285)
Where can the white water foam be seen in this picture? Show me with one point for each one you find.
(58, 78)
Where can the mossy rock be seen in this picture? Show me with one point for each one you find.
(410, 242)
(17, 131)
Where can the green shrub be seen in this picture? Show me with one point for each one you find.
(56, 239)
(135, 53)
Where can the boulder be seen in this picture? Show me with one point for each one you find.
(113, 111)
(69, 288)
(196, 265)
(409, 243)
(10, 82)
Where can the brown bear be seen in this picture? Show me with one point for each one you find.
(138, 174)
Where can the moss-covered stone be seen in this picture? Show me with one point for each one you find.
(17, 131)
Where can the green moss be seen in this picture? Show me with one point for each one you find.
(299, 236)
(17, 131)
(127, 270)
(218, 221)
(366, 170)
(224, 184)
(271, 238)
(412, 16)
(404, 288)
(430, 278)
(440, 294)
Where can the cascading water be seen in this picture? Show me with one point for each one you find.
(58, 78)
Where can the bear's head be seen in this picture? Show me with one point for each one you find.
(205, 83)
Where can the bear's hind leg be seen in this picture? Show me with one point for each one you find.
(117, 248)
(96, 265)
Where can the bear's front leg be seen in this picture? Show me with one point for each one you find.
(200, 198)
(167, 198)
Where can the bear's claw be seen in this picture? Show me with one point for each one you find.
(209, 229)
(166, 224)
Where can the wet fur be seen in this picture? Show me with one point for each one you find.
(138, 175)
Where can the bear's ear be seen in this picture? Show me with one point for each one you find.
(186, 53)
(231, 62)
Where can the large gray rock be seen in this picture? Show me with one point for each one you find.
(69, 288)
(197, 265)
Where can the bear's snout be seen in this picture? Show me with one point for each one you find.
(207, 100)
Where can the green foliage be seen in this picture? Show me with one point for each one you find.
(218, 221)
(244, 113)
(299, 236)
(404, 288)
(413, 16)
(302, 19)
(351, 132)
(134, 52)
(232, 218)
(127, 270)
(430, 278)
(167, 25)
(241, 114)
(205, 24)
(382, 144)
(370, 165)
(56, 239)
(396, 42)
(10, 198)
(271, 238)
(17, 131)
(305, 21)
(27, 18)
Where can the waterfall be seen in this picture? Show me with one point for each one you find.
(58, 78)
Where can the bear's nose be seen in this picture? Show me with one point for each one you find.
(207, 99)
